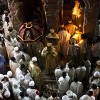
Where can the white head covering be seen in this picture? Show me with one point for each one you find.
(52, 30)
(1, 76)
(34, 59)
(98, 62)
(9, 74)
(16, 49)
(49, 44)
(69, 93)
(61, 79)
(31, 83)
(97, 74)
(28, 91)
(7, 94)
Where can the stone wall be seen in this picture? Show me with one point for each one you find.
(91, 14)
(52, 8)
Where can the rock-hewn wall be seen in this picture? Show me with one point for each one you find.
(52, 12)
(91, 14)
(23, 10)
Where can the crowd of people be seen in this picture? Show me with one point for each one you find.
(77, 78)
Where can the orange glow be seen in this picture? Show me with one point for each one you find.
(76, 11)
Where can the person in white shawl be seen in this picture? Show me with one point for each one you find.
(31, 91)
(6, 26)
(81, 71)
(88, 96)
(63, 83)
(69, 96)
(77, 87)
(6, 14)
(58, 71)
(19, 71)
(71, 72)
(95, 79)
(13, 64)
(17, 53)
(16, 89)
(10, 77)
(5, 82)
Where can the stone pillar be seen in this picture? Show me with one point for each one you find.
(91, 14)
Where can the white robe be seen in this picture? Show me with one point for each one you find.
(13, 66)
(77, 88)
(86, 97)
(63, 84)
(17, 55)
(18, 73)
(28, 78)
(72, 74)
(6, 27)
(9, 48)
(81, 73)
(58, 73)
(31, 93)
(74, 97)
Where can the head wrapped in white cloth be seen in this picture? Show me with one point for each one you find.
(9, 74)
(7, 94)
(61, 80)
(98, 62)
(69, 93)
(52, 30)
(34, 59)
(96, 74)
(16, 49)
(31, 83)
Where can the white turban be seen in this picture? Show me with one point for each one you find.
(69, 93)
(98, 62)
(31, 83)
(7, 94)
(52, 30)
(97, 74)
(16, 48)
(9, 74)
(61, 80)
(34, 59)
